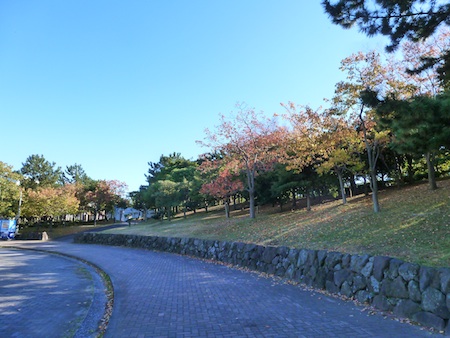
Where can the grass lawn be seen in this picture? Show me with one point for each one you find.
(413, 225)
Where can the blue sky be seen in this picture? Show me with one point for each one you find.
(112, 85)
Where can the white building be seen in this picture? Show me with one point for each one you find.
(123, 215)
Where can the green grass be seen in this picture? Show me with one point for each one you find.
(413, 225)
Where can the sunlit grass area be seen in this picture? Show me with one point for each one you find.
(414, 225)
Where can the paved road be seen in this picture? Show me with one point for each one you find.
(166, 295)
(44, 295)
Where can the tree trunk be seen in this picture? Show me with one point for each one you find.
(341, 185)
(294, 199)
(352, 185)
(95, 217)
(308, 201)
(251, 190)
(252, 204)
(169, 211)
(372, 154)
(227, 207)
(366, 191)
(431, 171)
(374, 188)
(398, 170)
(410, 168)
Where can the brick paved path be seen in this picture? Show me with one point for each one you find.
(165, 295)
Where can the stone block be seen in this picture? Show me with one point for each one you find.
(368, 268)
(341, 276)
(380, 264)
(319, 281)
(346, 258)
(381, 302)
(302, 258)
(357, 262)
(293, 255)
(434, 301)
(406, 308)
(346, 290)
(374, 285)
(429, 320)
(395, 288)
(428, 277)
(444, 274)
(363, 296)
(269, 254)
(394, 265)
(409, 271)
(414, 291)
(359, 283)
(321, 255)
(332, 259)
(331, 287)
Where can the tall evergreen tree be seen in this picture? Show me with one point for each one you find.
(398, 19)
(38, 172)
(420, 126)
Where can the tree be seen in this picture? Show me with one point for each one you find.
(223, 186)
(10, 191)
(249, 142)
(166, 195)
(342, 149)
(365, 73)
(102, 195)
(74, 174)
(420, 126)
(413, 20)
(38, 172)
(426, 80)
(172, 182)
(139, 201)
(304, 144)
(51, 202)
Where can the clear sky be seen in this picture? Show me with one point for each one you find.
(112, 85)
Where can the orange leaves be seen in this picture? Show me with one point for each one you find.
(51, 201)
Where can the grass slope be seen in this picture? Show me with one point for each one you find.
(414, 225)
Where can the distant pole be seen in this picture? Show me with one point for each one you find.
(18, 209)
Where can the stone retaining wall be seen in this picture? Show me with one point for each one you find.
(408, 290)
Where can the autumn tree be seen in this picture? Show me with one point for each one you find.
(224, 185)
(51, 202)
(303, 143)
(249, 142)
(102, 195)
(365, 71)
(400, 109)
(413, 20)
(10, 191)
(342, 149)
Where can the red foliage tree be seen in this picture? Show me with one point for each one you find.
(249, 142)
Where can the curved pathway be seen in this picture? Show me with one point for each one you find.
(44, 295)
(164, 295)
